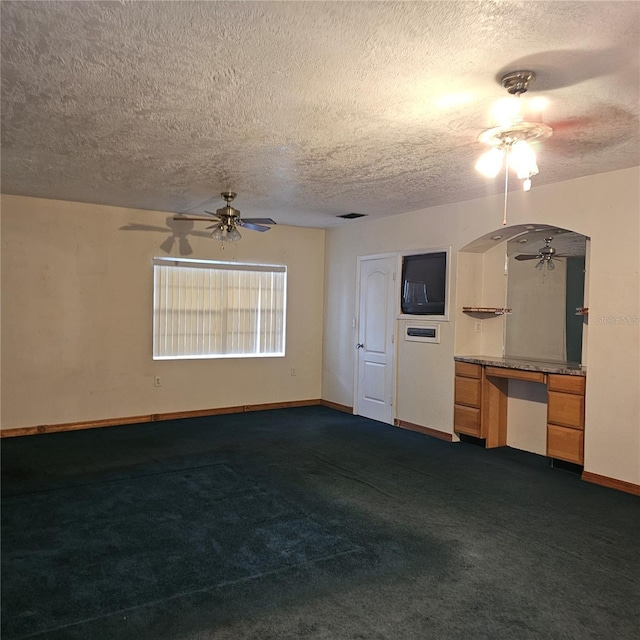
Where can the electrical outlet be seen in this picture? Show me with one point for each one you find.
(293, 371)
(157, 382)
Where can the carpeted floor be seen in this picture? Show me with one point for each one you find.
(306, 523)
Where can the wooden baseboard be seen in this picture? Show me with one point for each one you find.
(605, 481)
(441, 435)
(336, 406)
(152, 417)
(611, 483)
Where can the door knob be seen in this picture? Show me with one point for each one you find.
(359, 345)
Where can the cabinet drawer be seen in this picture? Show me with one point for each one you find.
(567, 384)
(516, 374)
(466, 420)
(468, 370)
(468, 391)
(565, 444)
(566, 409)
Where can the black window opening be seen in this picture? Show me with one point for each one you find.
(424, 284)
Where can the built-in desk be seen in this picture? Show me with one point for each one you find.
(481, 392)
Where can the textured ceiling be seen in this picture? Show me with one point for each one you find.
(308, 110)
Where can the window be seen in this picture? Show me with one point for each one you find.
(206, 309)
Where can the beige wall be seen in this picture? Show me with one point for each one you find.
(76, 313)
(77, 318)
(604, 207)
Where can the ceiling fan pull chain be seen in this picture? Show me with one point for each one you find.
(506, 186)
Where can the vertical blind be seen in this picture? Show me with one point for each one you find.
(205, 309)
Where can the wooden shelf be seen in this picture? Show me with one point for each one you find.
(494, 311)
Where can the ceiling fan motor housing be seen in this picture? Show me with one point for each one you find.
(228, 212)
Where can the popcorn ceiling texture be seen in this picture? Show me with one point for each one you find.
(308, 110)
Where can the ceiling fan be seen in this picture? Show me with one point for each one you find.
(227, 220)
(545, 256)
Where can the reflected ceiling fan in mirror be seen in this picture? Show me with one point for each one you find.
(545, 256)
(227, 220)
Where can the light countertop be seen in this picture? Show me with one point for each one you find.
(527, 364)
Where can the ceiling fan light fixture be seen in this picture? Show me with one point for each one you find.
(507, 111)
(233, 235)
(523, 160)
(514, 135)
(490, 163)
(225, 233)
(218, 233)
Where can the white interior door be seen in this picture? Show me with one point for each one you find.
(376, 349)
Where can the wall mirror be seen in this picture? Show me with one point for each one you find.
(545, 286)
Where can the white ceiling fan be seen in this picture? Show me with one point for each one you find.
(227, 220)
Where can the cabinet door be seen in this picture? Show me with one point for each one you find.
(566, 409)
(567, 384)
(565, 443)
(468, 370)
(466, 420)
(468, 391)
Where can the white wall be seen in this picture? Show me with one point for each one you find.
(604, 207)
(77, 318)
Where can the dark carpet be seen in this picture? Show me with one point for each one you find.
(306, 523)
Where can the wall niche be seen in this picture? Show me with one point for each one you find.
(525, 292)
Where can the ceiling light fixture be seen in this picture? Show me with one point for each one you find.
(226, 229)
(511, 140)
(225, 232)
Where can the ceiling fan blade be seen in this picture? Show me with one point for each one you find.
(203, 217)
(252, 226)
(167, 245)
(523, 256)
(185, 247)
(259, 220)
(144, 227)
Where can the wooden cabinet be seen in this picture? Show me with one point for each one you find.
(565, 409)
(468, 398)
(565, 418)
(468, 370)
(468, 391)
(480, 405)
(565, 444)
(480, 409)
(467, 420)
